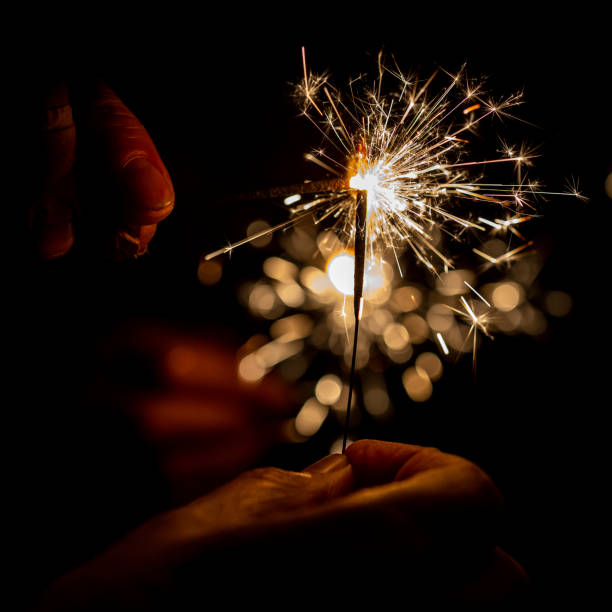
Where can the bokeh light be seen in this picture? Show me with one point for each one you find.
(417, 384)
(210, 272)
(280, 269)
(376, 401)
(310, 417)
(507, 296)
(341, 272)
(328, 389)
(430, 364)
(608, 185)
(558, 303)
(406, 299)
(396, 336)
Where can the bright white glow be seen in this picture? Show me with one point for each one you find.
(368, 182)
(341, 273)
(380, 194)
(292, 199)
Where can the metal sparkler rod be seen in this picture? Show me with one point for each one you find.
(361, 212)
(325, 185)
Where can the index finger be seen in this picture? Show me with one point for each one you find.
(146, 189)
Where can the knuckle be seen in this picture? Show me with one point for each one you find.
(264, 473)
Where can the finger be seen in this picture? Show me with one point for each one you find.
(327, 464)
(133, 241)
(185, 362)
(418, 477)
(54, 233)
(145, 188)
(377, 462)
(171, 416)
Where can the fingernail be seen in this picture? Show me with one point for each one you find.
(332, 463)
(146, 191)
(128, 244)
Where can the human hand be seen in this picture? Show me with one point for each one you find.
(103, 183)
(183, 395)
(383, 521)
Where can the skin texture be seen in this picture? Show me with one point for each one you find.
(420, 521)
(92, 132)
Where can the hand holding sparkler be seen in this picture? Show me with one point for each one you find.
(133, 191)
(417, 520)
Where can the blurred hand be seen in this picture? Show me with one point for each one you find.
(183, 393)
(383, 521)
(127, 190)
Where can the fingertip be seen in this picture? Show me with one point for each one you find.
(376, 461)
(147, 193)
(54, 241)
(332, 476)
(146, 235)
(359, 446)
(132, 242)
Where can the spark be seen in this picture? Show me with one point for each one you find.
(406, 147)
(442, 343)
(469, 109)
(477, 322)
(507, 257)
(398, 154)
(478, 294)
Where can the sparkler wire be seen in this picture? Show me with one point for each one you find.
(325, 185)
(361, 213)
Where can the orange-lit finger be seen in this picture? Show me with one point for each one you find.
(145, 189)
(52, 218)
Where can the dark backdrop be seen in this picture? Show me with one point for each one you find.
(214, 93)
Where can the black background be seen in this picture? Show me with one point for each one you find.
(214, 93)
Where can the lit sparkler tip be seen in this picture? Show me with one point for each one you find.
(216, 253)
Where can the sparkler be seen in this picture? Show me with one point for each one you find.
(401, 178)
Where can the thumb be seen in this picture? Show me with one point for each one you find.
(328, 464)
(332, 476)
